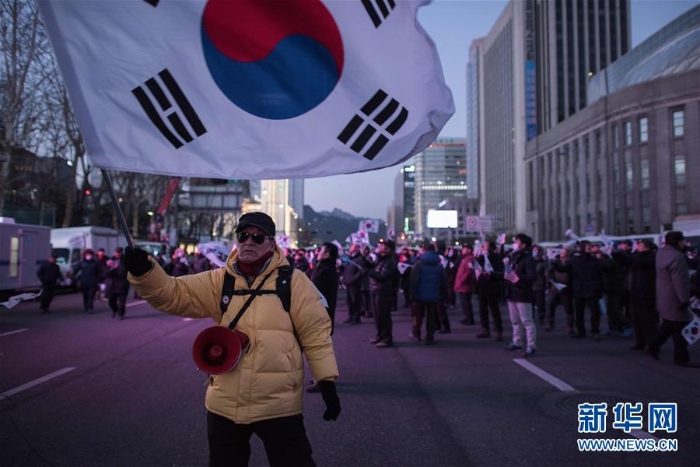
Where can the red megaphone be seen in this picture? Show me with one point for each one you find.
(219, 349)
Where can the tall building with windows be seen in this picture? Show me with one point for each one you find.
(574, 40)
(402, 217)
(475, 83)
(440, 174)
(538, 58)
(283, 200)
(625, 164)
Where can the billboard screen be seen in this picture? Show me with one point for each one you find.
(442, 219)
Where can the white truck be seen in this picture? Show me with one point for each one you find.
(68, 245)
(23, 248)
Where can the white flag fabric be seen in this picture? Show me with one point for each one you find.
(691, 332)
(17, 299)
(215, 252)
(282, 240)
(369, 225)
(249, 89)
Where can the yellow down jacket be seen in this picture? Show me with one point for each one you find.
(268, 382)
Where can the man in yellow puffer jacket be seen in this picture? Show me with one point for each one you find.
(263, 393)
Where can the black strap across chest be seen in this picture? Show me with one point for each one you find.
(253, 294)
(282, 290)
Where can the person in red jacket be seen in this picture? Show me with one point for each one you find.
(465, 284)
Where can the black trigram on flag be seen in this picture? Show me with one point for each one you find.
(156, 93)
(152, 2)
(366, 144)
(378, 10)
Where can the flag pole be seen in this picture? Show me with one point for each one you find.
(117, 208)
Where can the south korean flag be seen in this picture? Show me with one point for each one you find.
(249, 89)
(691, 332)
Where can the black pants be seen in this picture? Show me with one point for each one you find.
(354, 302)
(465, 298)
(443, 320)
(490, 302)
(680, 345)
(429, 310)
(284, 439)
(580, 308)
(382, 316)
(47, 293)
(566, 301)
(538, 305)
(366, 302)
(617, 321)
(117, 302)
(88, 297)
(644, 321)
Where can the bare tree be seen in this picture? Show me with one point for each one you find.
(24, 49)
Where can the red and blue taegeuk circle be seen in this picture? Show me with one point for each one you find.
(275, 59)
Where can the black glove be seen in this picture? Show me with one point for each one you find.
(136, 261)
(684, 306)
(330, 397)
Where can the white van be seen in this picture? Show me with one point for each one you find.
(23, 248)
(69, 243)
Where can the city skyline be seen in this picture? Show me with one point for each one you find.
(453, 25)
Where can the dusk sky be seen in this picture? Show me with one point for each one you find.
(453, 25)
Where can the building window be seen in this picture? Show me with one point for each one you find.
(643, 130)
(588, 188)
(616, 137)
(629, 175)
(644, 165)
(681, 207)
(628, 133)
(679, 169)
(678, 123)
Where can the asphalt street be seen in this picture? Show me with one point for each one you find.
(89, 390)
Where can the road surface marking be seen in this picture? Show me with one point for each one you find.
(138, 302)
(551, 379)
(13, 332)
(36, 382)
(562, 386)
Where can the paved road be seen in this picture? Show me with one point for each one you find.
(88, 390)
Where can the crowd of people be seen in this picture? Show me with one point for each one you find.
(583, 279)
(643, 291)
(289, 300)
(101, 277)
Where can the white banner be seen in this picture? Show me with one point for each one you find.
(249, 89)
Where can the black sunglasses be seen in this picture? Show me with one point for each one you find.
(258, 238)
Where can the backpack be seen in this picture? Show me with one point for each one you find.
(283, 289)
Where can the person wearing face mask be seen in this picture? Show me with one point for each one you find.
(518, 281)
(89, 273)
(118, 285)
(262, 395)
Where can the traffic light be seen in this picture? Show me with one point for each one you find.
(87, 192)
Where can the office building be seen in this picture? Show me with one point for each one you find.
(627, 163)
(538, 58)
(440, 173)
